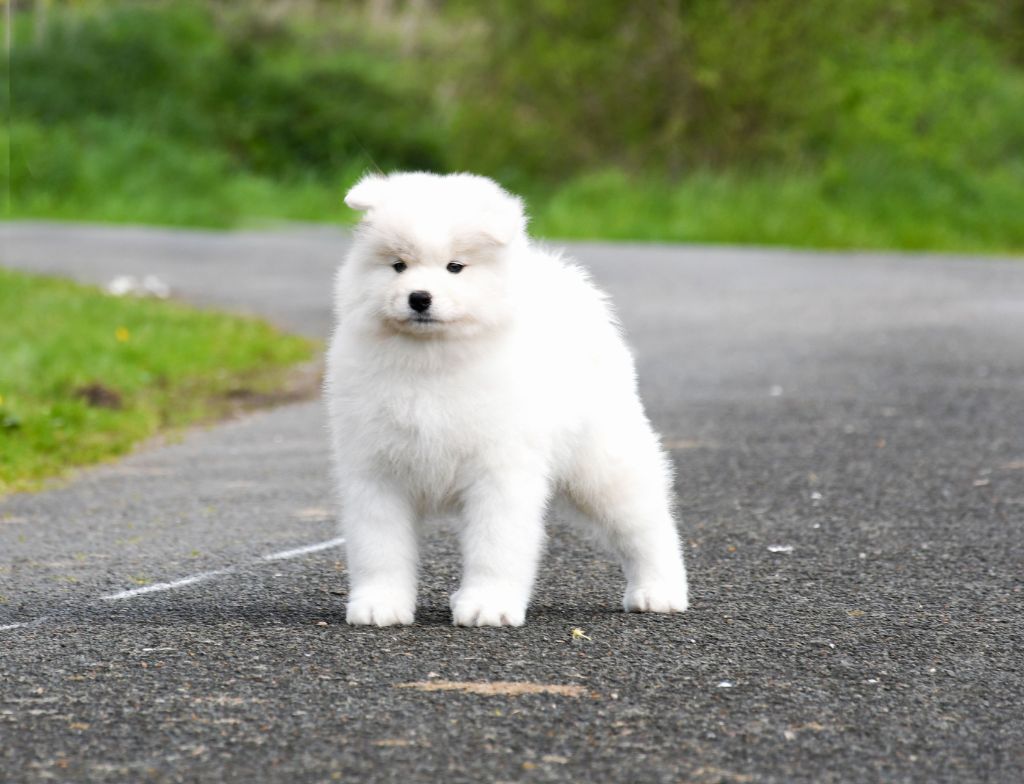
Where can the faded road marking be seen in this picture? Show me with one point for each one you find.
(22, 624)
(311, 548)
(192, 579)
(155, 588)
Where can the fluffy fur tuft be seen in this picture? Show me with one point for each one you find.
(475, 375)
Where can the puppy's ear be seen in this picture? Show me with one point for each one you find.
(367, 193)
(505, 220)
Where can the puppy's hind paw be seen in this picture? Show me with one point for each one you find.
(657, 599)
(371, 612)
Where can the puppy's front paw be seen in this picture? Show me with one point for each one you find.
(383, 610)
(656, 598)
(487, 608)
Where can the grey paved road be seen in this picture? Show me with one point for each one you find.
(863, 413)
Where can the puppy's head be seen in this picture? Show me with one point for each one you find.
(431, 255)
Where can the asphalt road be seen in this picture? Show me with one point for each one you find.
(849, 431)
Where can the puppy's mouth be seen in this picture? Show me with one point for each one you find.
(421, 320)
(420, 323)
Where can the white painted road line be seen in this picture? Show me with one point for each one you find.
(34, 622)
(192, 579)
(310, 548)
(195, 578)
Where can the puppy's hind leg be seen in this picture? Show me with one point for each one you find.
(381, 545)
(622, 481)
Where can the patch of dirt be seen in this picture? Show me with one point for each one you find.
(682, 443)
(719, 775)
(99, 395)
(302, 383)
(498, 688)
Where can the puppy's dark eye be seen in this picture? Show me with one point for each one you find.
(399, 266)
(454, 267)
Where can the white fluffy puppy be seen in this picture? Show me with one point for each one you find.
(473, 375)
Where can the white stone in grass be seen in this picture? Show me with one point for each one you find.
(122, 285)
(129, 285)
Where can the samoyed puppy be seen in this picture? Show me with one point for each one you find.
(473, 375)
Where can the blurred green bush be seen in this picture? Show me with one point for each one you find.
(253, 91)
(883, 123)
(721, 84)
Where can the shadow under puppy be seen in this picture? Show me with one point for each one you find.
(473, 375)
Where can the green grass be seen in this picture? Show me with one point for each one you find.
(86, 376)
(110, 171)
(908, 210)
(102, 170)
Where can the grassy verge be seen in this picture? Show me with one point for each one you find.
(109, 171)
(86, 376)
(161, 181)
(895, 209)
(67, 174)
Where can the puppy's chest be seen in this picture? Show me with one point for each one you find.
(427, 426)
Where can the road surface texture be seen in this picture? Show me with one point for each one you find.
(849, 433)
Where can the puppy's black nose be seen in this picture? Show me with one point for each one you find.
(419, 301)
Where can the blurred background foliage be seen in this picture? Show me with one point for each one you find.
(875, 123)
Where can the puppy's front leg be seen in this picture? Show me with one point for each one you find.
(380, 541)
(501, 540)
